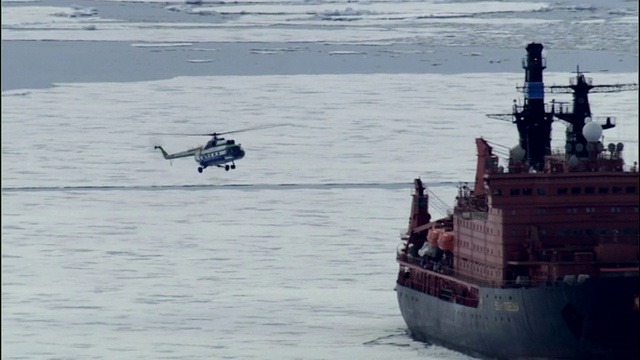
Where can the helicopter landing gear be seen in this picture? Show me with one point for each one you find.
(227, 167)
(200, 169)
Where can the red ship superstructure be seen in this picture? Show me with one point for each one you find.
(539, 258)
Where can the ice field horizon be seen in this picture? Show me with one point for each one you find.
(110, 251)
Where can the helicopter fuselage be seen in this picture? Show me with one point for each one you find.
(219, 153)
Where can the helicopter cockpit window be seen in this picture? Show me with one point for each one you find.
(231, 142)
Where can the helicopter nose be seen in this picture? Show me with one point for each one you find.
(238, 151)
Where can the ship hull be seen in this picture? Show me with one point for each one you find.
(596, 319)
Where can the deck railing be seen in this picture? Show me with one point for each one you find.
(471, 279)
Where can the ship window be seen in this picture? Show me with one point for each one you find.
(514, 232)
(631, 189)
(526, 191)
(590, 232)
(513, 212)
(514, 192)
(497, 192)
(541, 191)
(603, 231)
(541, 211)
(603, 190)
(563, 191)
(590, 190)
(590, 209)
(575, 190)
(617, 190)
(628, 231)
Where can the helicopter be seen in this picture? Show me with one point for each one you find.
(218, 151)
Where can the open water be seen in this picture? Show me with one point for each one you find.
(111, 252)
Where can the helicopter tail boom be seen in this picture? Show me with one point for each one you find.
(177, 155)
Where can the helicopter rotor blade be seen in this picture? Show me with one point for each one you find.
(261, 127)
(181, 134)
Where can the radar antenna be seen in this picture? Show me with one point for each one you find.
(580, 86)
(534, 118)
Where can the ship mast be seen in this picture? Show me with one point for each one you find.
(534, 122)
(580, 86)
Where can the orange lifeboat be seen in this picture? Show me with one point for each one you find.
(433, 236)
(445, 241)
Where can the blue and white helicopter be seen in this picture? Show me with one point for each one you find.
(218, 151)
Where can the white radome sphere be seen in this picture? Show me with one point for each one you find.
(592, 131)
(517, 153)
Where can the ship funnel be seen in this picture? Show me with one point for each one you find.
(532, 119)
